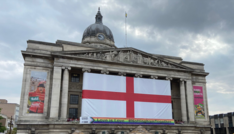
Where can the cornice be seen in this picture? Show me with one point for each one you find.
(200, 73)
(28, 53)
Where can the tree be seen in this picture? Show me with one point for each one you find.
(2, 128)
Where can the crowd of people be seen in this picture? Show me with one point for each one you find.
(73, 120)
(179, 122)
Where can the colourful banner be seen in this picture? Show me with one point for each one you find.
(36, 95)
(198, 102)
(103, 120)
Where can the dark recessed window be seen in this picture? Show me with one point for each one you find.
(73, 113)
(75, 77)
(122, 132)
(74, 99)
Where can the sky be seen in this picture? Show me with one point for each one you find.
(198, 31)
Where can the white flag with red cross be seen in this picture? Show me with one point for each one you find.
(125, 97)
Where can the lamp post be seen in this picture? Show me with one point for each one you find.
(10, 124)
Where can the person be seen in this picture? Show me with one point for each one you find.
(41, 92)
(37, 105)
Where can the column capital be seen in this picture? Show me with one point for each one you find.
(169, 78)
(68, 68)
(122, 73)
(153, 76)
(138, 75)
(182, 80)
(104, 71)
(88, 70)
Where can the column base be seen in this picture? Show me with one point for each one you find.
(63, 119)
(53, 119)
(192, 122)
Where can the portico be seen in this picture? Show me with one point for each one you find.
(181, 76)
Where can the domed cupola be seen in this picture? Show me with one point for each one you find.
(98, 34)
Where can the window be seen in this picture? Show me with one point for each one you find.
(216, 121)
(221, 120)
(74, 99)
(103, 132)
(75, 78)
(122, 132)
(230, 121)
(73, 113)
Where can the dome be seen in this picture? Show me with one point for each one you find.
(98, 34)
(94, 29)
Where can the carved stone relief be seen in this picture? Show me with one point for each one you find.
(127, 56)
(140, 130)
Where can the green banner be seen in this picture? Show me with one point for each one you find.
(32, 99)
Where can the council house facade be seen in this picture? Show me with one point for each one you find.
(53, 83)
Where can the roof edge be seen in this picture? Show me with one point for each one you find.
(43, 43)
(189, 62)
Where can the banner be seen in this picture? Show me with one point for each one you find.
(102, 120)
(198, 102)
(36, 95)
(111, 96)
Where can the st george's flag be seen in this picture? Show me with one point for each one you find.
(125, 97)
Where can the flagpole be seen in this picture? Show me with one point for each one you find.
(125, 29)
(126, 42)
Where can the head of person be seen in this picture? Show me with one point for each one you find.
(41, 88)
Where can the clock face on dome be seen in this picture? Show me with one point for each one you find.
(101, 37)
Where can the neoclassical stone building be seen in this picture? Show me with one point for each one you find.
(53, 75)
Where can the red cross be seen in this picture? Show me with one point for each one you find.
(129, 96)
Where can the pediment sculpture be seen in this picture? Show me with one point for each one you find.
(127, 56)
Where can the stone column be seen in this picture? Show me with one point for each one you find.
(64, 98)
(205, 102)
(227, 130)
(190, 100)
(183, 101)
(55, 95)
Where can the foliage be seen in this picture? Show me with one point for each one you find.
(14, 130)
(2, 128)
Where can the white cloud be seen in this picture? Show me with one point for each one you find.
(200, 46)
(221, 87)
(11, 98)
(10, 69)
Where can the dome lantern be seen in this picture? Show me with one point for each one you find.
(98, 17)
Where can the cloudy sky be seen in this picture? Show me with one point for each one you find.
(199, 31)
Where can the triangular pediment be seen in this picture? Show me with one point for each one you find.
(125, 56)
(140, 130)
